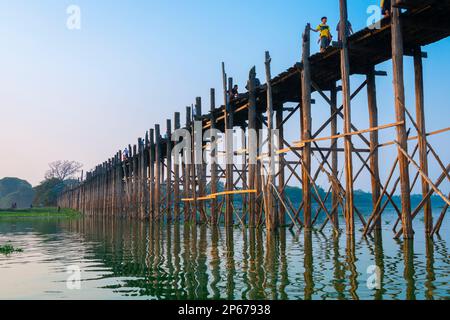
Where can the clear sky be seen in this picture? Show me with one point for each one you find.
(83, 95)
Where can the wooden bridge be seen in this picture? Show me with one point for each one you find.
(157, 184)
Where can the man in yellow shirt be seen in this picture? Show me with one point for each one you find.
(325, 34)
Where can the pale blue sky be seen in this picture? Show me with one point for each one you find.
(83, 95)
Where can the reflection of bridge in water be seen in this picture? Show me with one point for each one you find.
(182, 261)
(152, 185)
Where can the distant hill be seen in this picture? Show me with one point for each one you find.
(14, 190)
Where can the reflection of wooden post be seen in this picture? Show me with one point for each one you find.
(157, 194)
(373, 122)
(420, 119)
(334, 159)
(271, 222)
(151, 184)
(176, 168)
(399, 96)
(306, 128)
(345, 75)
(252, 146)
(169, 171)
(213, 156)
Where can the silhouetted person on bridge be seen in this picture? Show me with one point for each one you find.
(386, 8)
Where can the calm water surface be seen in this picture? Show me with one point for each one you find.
(121, 259)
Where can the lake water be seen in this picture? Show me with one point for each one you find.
(122, 259)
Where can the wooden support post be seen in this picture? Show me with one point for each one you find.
(306, 127)
(176, 168)
(229, 150)
(146, 161)
(201, 174)
(281, 174)
(169, 171)
(271, 215)
(151, 184)
(135, 182)
(420, 119)
(187, 171)
(334, 159)
(252, 146)
(142, 179)
(213, 156)
(192, 167)
(402, 138)
(345, 75)
(373, 123)
(157, 193)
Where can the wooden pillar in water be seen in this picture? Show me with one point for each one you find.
(334, 158)
(229, 150)
(169, 171)
(213, 155)
(252, 146)
(281, 175)
(420, 121)
(271, 215)
(399, 96)
(157, 191)
(151, 173)
(198, 137)
(306, 128)
(135, 182)
(348, 148)
(187, 170)
(373, 123)
(192, 168)
(176, 168)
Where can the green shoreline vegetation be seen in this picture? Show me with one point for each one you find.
(39, 213)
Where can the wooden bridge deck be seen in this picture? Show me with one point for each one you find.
(425, 23)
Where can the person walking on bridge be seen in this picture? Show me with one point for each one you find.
(325, 34)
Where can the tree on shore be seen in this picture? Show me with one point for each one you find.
(63, 170)
(60, 175)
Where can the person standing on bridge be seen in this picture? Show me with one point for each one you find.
(386, 8)
(325, 34)
(125, 154)
(348, 29)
